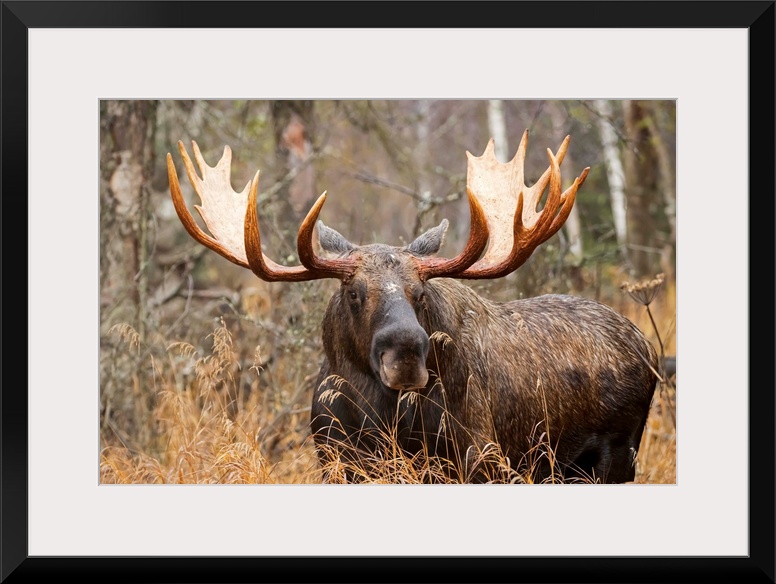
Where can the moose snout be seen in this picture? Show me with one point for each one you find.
(399, 357)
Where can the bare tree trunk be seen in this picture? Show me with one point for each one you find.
(641, 172)
(127, 154)
(293, 127)
(614, 173)
(423, 161)
(667, 184)
(126, 169)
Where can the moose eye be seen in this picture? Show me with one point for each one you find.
(355, 293)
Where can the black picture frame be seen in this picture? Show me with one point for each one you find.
(758, 566)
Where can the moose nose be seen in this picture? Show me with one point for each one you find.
(399, 357)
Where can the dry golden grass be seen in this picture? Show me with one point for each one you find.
(209, 431)
(212, 419)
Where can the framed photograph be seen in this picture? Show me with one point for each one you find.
(167, 427)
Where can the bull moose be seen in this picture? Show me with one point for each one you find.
(418, 363)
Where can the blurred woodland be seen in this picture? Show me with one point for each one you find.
(207, 372)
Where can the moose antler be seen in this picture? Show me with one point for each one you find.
(495, 191)
(503, 194)
(231, 218)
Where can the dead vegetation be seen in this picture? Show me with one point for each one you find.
(230, 410)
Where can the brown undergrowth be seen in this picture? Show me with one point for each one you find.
(210, 430)
(214, 417)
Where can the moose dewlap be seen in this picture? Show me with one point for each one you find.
(417, 363)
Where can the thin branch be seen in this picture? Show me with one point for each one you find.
(286, 180)
(414, 195)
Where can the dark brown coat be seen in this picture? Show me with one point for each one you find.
(560, 370)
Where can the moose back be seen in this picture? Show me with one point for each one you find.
(422, 371)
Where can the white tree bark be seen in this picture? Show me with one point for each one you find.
(497, 126)
(573, 226)
(614, 170)
(423, 152)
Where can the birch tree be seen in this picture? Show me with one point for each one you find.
(423, 160)
(497, 125)
(572, 227)
(614, 172)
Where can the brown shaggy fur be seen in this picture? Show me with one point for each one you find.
(564, 371)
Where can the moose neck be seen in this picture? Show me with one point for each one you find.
(450, 303)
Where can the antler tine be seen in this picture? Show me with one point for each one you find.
(341, 268)
(432, 267)
(503, 193)
(534, 193)
(232, 219)
(567, 202)
(531, 227)
(259, 263)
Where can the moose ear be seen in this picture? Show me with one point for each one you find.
(332, 241)
(430, 242)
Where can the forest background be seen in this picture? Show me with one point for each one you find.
(207, 372)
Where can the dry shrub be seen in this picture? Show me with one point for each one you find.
(657, 453)
(208, 430)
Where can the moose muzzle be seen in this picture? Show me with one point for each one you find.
(399, 354)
